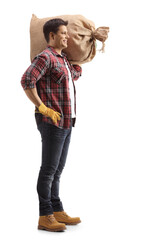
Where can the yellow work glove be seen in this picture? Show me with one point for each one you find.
(55, 116)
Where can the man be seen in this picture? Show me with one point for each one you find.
(48, 83)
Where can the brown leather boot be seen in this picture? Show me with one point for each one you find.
(62, 217)
(49, 223)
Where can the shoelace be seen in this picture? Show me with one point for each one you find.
(51, 218)
(65, 214)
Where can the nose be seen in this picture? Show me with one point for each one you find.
(67, 36)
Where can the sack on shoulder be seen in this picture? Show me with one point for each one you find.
(81, 44)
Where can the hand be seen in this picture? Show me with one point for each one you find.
(55, 116)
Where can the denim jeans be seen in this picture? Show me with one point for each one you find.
(55, 144)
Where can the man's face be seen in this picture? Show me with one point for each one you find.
(61, 37)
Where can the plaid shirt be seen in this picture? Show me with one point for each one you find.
(49, 75)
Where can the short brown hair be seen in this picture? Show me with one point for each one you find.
(53, 26)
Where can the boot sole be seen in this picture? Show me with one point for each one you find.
(51, 230)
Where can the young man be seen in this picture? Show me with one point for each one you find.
(48, 83)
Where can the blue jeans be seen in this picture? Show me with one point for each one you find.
(55, 144)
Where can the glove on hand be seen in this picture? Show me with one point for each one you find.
(55, 116)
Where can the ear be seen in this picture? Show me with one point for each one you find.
(51, 35)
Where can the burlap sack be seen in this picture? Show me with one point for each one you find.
(81, 44)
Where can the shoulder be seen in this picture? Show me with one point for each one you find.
(45, 56)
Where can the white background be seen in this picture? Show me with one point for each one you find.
(111, 179)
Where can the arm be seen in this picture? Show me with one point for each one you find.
(33, 96)
(35, 71)
(76, 70)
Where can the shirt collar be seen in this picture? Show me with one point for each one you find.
(53, 50)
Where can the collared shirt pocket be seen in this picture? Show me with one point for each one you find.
(57, 75)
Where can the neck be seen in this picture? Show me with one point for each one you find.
(59, 51)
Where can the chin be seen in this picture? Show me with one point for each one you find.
(65, 46)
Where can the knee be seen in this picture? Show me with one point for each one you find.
(47, 172)
(58, 173)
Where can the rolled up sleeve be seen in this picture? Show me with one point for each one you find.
(77, 72)
(35, 71)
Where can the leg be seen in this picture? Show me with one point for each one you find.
(52, 145)
(56, 202)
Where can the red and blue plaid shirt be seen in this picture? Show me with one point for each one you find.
(49, 75)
